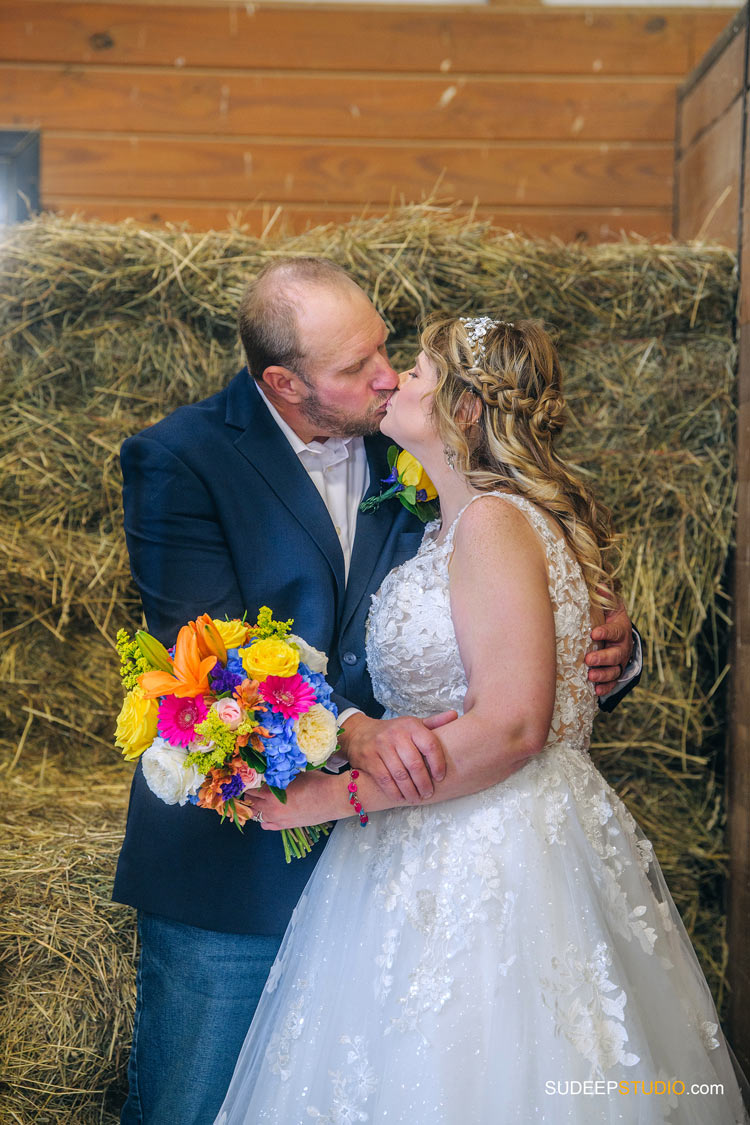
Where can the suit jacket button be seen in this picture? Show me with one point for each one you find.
(350, 658)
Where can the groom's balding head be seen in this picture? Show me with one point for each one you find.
(269, 311)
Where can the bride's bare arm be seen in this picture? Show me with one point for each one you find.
(503, 619)
(505, 629)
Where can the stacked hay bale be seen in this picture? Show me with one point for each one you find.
(107, 328)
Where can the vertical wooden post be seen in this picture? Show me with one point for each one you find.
(712, 200)
(738, 922)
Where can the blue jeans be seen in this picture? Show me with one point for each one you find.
(197, 992)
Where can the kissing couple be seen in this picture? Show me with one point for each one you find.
(499, 927)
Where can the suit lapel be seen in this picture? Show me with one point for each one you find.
(265, 447)
(372, 530)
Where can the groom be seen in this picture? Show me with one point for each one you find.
(250, 498)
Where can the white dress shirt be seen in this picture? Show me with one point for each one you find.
(338, 468)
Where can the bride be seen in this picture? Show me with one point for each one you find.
(507, 950)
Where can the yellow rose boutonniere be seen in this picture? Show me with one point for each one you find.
(410, 474)
(410, 483)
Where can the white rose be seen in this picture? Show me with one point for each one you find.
(315, 660)
(166, 774)
(317, 732)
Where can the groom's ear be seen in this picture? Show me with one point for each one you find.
(284, 384)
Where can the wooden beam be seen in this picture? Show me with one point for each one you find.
(440, 40)
(204, 169)
(323, 105)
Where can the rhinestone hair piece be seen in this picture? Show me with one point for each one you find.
(477, 328)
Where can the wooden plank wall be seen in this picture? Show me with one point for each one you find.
(556, 120)
(710, 113)
(712, 200)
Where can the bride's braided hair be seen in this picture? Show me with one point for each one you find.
(513, 372)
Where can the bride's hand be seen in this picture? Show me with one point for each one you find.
(401, 755)
(615, 638)
(312, 798)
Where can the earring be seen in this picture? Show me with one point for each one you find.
(450, 456)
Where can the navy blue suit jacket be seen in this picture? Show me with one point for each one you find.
(221, 518)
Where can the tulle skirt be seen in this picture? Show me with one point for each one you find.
(507, 957)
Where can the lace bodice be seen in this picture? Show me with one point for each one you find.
(412, 651)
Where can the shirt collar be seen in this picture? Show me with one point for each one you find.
(330, 452)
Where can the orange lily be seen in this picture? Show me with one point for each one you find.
(209, 640)
(189, 675)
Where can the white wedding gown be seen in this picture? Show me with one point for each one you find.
(476, 962)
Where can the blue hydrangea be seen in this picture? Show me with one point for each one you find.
(320, 686)
(284, 759)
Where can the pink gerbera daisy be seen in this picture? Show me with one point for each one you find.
(179, 717)
(291, 696)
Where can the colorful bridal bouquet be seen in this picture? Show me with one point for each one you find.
(230, 707)
(410, 483)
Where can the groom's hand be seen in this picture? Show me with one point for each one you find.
(615, 637)
(402, 755)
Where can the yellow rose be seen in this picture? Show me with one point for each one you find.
(411, 472)
(136, 724)
(317, 734)
(232, 633)
(270, 657)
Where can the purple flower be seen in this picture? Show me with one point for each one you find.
(227, 678)
(233, 788)
(392, 476)
(223, 680)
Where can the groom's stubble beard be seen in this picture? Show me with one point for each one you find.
(337, 423)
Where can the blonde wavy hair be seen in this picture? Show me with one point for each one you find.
(514, 374)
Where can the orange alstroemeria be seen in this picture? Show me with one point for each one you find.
(248, 695)
(209, 640)
(189, 676)
(211, 797)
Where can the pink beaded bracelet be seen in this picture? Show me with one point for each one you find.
(363, 817)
